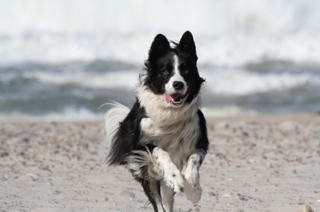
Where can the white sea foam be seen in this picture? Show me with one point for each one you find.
(226, 111)
(119, 79)
(239, 82)
(68, 114)
(227, 33)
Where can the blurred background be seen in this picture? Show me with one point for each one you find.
(63, 59)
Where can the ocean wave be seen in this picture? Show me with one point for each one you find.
(88, 79)
(226, 81)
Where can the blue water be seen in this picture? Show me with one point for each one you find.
(61, 60)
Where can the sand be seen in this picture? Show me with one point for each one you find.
(263, 163)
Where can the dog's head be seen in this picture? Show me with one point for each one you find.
(172, 73)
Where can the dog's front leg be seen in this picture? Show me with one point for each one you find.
(171, 174)
(190, 172)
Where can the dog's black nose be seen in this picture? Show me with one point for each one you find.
(178, 85)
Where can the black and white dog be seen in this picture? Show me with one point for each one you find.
(163, 139)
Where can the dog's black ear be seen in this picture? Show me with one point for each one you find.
(159, 47)
(187, 44)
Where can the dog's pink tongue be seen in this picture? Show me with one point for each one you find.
(169, 97)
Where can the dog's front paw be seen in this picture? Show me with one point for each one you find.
(193, 189)
(193, 192)
(174, 179)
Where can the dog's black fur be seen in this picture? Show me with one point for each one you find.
(162, 140)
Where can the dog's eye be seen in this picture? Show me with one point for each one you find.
(165, 72)
(186, 71)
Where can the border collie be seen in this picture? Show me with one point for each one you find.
(163, 139)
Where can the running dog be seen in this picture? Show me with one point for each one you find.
(163, 139)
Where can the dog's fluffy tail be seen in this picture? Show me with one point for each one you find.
(114, 116)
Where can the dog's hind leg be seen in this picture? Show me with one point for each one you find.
(152, 190)
(167, 197)
(149, 168)
(147, 172)
(172, 181)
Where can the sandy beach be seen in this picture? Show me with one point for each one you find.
(262, 163)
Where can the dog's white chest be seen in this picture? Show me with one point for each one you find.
(178, 139)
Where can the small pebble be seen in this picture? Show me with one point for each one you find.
(252, 123)
(33, 176)
(244, 133)
(306, 208)
(241, 197)
(211, 194)
(210, 187)
(238, 210)
(3, 153)
(251, 168)
(4, 178)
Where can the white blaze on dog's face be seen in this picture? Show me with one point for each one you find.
(176, 88)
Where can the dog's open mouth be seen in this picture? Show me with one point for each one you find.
(176, 99)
